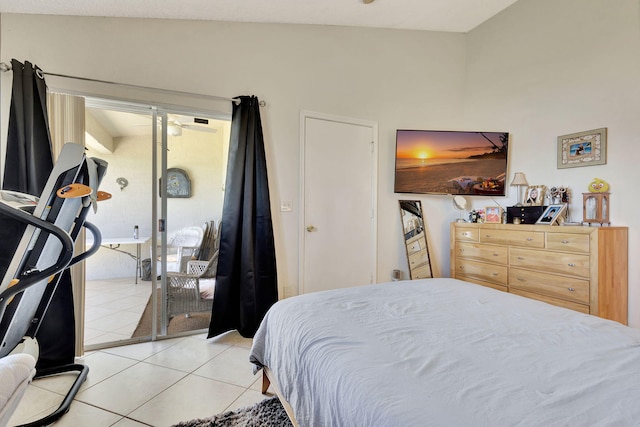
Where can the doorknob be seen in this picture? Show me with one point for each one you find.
(311, 228)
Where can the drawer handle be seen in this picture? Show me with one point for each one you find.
(496, 254)
(462, 267)
(529, 239)
(487, 235)
(572, 289)
(520, 279)
(465, 234)
(461, 250)
(571, 264)
(521, 258)
(564, 242)
(494, 274)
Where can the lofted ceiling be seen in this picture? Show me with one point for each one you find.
(458, 16)
(435, 15)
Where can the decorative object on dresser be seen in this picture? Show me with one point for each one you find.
(535, 195)
(524, 214)
(598, 186)
(554, 214)
(595, 208)
(582, 149)
(595, 203)
(493, 214)
(415, 239)
(558, 194)
(460, 204)
(519, 181)
(580, 268)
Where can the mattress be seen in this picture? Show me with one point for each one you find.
(443, 352)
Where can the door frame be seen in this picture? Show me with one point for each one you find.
(305, 114)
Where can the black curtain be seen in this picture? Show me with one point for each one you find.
(28, 164)
(246, 280)
(28, 161)
(28, 158)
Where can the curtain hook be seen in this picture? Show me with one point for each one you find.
(39, 73)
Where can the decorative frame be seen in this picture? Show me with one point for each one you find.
(534, 196)
(415, 239)
(587, 148)
(551, 214)
(493, 215)
(178, 183)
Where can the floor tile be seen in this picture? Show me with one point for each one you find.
(81, 414)
(231, 366)
(143, 350)
(131, 388)
(126, 422)
(205, 398)
(248, 398)
(187, 355)
(36, 403)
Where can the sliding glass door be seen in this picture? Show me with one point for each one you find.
(166, 174)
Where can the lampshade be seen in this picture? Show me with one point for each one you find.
(519, 179)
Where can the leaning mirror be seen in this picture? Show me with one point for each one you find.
(415, 239)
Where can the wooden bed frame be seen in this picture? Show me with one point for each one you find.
(267, 380)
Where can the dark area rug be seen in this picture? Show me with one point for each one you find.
(268, 413)
(178, 323)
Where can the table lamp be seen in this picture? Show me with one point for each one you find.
(519, 181)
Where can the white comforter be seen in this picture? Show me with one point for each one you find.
(442, 352)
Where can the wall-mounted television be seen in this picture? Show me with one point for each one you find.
(451, 162)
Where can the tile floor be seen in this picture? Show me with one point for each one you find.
(113, 308)
(152, 384)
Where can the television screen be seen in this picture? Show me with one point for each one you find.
(451, 162)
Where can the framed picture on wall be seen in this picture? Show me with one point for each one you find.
(178, 183)
(587, 148)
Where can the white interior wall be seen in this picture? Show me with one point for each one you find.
(540, 69)
(401, 79)
(545, 68)
(201, 155)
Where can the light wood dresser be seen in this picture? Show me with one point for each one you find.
(576, 267)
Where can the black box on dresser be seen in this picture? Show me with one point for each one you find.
(527, 214)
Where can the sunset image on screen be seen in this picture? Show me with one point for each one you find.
(450, 162)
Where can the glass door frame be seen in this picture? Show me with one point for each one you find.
(159, 206)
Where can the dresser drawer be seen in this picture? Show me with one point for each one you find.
(568, 242)
(529, 239)
(422, 272)
(415, 244)
(418, 258)
(567, 288)
(480, 252)
(552, 262)
(480, 270)
(466, 234)
(555, 301)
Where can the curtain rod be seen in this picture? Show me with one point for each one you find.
(7, 67)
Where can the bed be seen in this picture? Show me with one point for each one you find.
(443, 352)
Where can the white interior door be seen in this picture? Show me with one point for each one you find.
(339, 173)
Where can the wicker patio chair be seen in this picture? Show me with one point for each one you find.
(184, 288)
(182, 246)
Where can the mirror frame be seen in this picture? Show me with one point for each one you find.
(415, 239)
